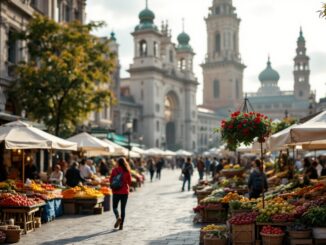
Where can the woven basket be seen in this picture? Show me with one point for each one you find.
(13, 236)
(215, 241)
(272, 239)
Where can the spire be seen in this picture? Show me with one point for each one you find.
(269, 60)
(301, 37)
(146, 4)
(183, 24)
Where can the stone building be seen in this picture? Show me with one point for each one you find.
(223, 68)
(278, 104)
(14, 16)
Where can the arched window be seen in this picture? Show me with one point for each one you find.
(171, 56)
(301, 79)
(218, 42)
(182, 64)
(235, 40)
(143, 48)
(216, 88)
(237, 89)
(155, 49)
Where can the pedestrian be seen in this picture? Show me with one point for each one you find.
(104, 169)
(257, 182)
(56, 176)
(120, 194)
(73, 177)
(212, 167)
(207, 166)
(85, 170)
(151, 168)
(201, 168)
(159, 166)
(187, 171)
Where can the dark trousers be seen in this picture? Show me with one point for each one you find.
(201, 174)
(158, 173)
(185, 179)
(151, 172)
(116, 199)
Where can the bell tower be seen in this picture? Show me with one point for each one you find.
(223, 69)
(301, 70)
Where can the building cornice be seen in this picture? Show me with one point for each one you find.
(212, 65)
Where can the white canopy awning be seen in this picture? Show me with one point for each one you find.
(169, 153)
(183, 153)
(20, 135)
(87, 142)
(154, 152)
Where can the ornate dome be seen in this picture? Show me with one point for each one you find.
(183, 38)
(146, 17)
(269, 74)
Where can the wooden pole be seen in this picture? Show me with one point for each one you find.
(23, 167)
(262, 162)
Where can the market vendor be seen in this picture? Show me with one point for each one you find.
(85, 170)
(31, 171)
(257, 182)
(3, 172)
(73, 175)
(56, 176)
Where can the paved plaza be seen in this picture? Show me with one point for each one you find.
(157, 214)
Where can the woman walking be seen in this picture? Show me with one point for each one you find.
(120, 180)
(151, 168)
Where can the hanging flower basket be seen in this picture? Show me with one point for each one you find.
(244, 128)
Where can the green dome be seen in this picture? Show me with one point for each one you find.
(183, 42)
(183, 38)
(112, 37)
(301, 38)
(146, 15)
(146, 20)
(269, 74)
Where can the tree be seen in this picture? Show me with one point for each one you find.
(65, 77)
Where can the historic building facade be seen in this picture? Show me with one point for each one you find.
(223, 68)
(14, 16)
(278, 104)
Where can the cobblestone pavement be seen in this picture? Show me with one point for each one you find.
(157, 214)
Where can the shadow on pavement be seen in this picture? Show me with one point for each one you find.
(187, 237)
(75, 239)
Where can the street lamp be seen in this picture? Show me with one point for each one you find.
(129, 127)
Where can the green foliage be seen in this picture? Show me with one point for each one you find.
(322, 12)
(285, 123)
(67, 74)
(315, 217)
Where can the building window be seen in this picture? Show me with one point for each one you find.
(300, 93)
(237, 88)
(157, 144)
(142, 94)
(158, 126)
(218, 43)
(67, 13)
(216, 88)
(135, 125)
(171, 56)
(142, 48)
(155, 49)
(157, 107)
(217, 10)
(301, 79)
(193, 145)
(12, 47)
(193, 129)
(182, 64)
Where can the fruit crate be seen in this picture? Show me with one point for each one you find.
(201, 195)
(215, 215)
(215, 241)
(69, 206)
(243, 234)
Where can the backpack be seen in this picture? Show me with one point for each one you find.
(258, 182)
(117, 181)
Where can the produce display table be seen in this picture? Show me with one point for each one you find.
(23, 216)
(52, 209)
(88, 205)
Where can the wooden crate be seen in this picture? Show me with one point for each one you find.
(86, 206)
(320, 241)
(301, 242)
(214, 215)
(69, 206)
(243, 234)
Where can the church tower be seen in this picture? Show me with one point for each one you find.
(222, 70)
(301, 70)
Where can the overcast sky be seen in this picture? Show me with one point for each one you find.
(267, 27)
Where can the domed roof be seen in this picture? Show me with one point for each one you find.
(183, 38)
(269, 74)
(112, 37)
(146, 15)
